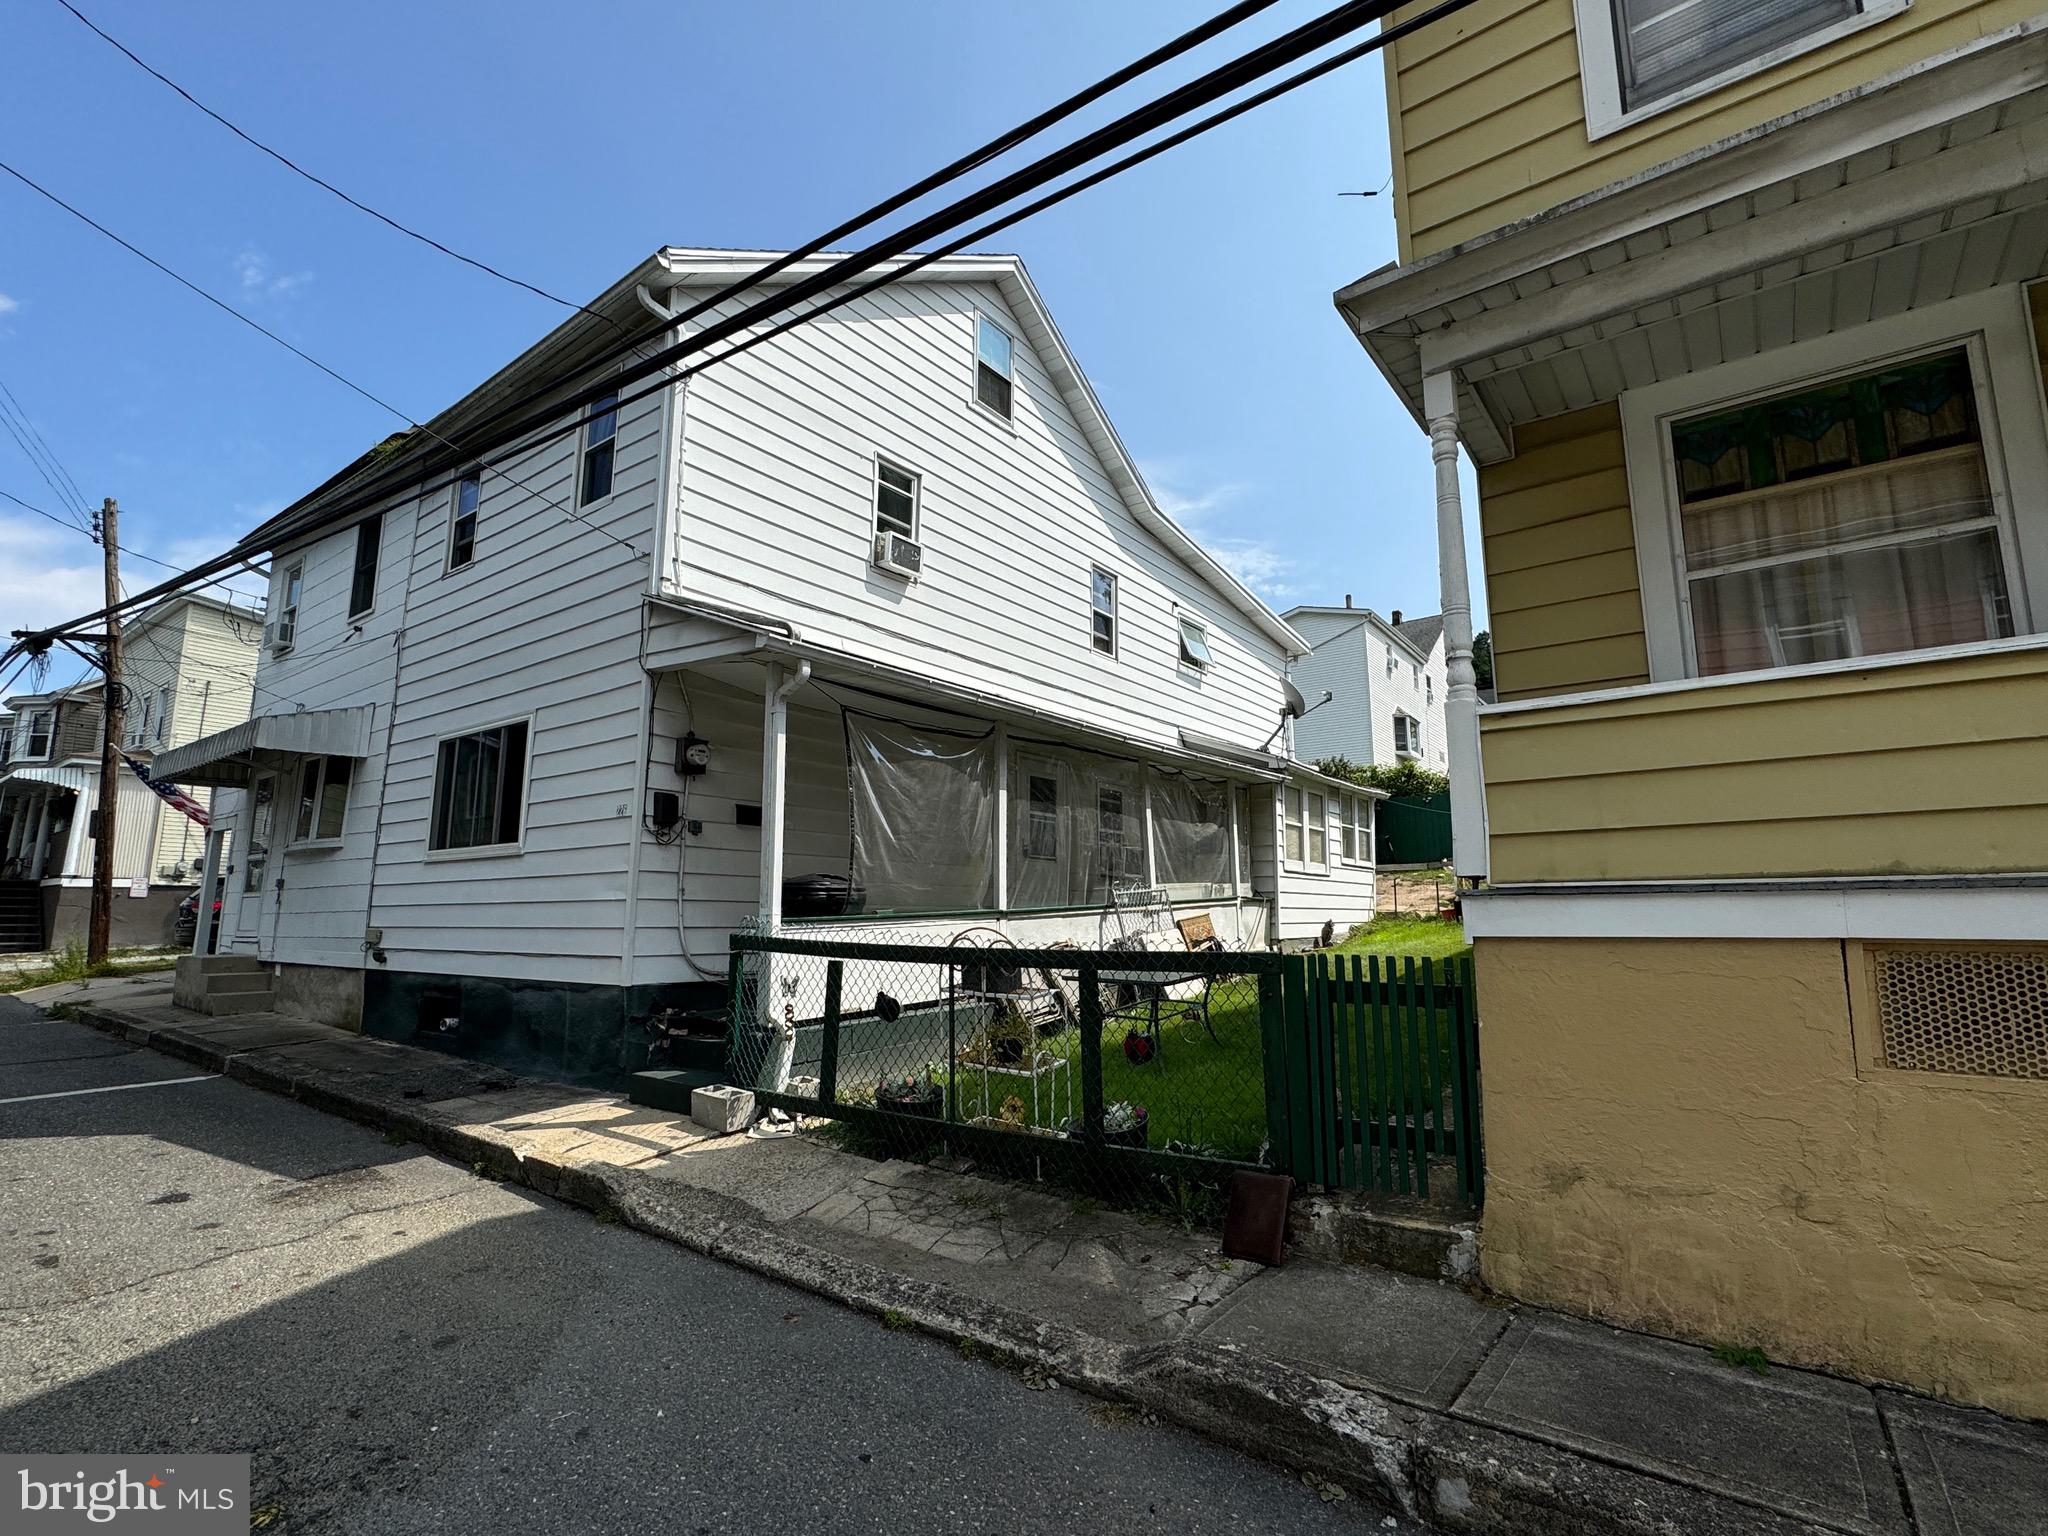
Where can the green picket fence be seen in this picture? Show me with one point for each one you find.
(1382, 1072)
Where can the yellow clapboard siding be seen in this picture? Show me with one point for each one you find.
(1528, 160)
(1549, 669)
(1467, 28)
(1918, 843)
(1933, 767)
(1559, 545)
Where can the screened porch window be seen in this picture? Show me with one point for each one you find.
(1851, 519)
(480, 789)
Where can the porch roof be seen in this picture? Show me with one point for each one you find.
(733, 645)
(232, 757)
(1917, 188)
(61, 776)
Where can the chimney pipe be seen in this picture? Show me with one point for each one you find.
(1347, 599)
(1396, 618)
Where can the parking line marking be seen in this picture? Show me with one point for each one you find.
(72, 1093)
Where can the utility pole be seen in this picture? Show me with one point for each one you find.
(111, 716)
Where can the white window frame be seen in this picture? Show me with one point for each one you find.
(1600, 62)
(1115, 612)
(163, 713)
(48, 717)
(435, 855)
(1994, 327)
(1007, 418)
(1293, 818)
(1194, 650)
(916, 497)
(476, 518)
(1316, 824)
(285, 634)
(585, 446)
(355, 558)
(1408, 742)
(313, 839)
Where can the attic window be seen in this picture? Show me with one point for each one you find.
(1194, 642)
(599, 436)
(992, 366)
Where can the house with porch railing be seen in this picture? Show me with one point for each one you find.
(1739, 313)
(871, 628)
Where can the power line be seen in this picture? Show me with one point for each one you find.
(374, 487)
(25, 437)
(68, 493)
(126, 550)
(353, 202)
(257, 326)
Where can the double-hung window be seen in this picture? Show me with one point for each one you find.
(1639, 56)
(1850, 519)
(1102, 611)
(1347, 816)
(1291, 838)
(138, 730)
(289, 590)
(38, 733)
(994, 358)
(600, 436)
(469, 496)
(1318, 831)
(1407, 735)
(362, 592)
(897, 492)
(163, 713)
(323, 799)
(480, 790)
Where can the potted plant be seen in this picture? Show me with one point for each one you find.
(917, 1094)
(1125, 1124)
(1009, 1036)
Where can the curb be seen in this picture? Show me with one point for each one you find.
(1429, 1466)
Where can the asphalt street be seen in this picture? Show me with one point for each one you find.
(197, 1266)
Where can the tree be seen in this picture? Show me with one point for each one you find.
(1482, 658)
(1401, 780)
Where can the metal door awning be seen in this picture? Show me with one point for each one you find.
(63, 778)
(231, 758)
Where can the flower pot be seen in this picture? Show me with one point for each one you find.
(930, 1104)
(1007, 1050)
(1135, 1136)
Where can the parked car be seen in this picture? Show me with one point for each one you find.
(186, 928)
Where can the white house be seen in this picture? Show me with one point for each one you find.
(189, 669)
(874, 625)
(1387, 683)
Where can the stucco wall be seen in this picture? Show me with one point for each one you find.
(1678, 1139)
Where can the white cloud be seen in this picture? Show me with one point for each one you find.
(253, 271)
(1206, 513)
(46, 574)
(8, 303)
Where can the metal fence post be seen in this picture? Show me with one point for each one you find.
(1273, 1059)
(1091, 1057)
(828, 1048)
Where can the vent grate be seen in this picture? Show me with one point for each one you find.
(1979, 1011)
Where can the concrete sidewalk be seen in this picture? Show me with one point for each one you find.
(1457, 1410)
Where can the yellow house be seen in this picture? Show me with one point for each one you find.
(1734, 308)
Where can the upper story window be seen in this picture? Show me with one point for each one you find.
(897, 492)
(1194, 642)
(138, 728)
(1102, 616)
(1390, 661)
(993, 358)
(1641, 56)
(163, 713)
(285, 628)
(600, 436)
(1428, 688)
(37, 733)
(469, 495)
(1849, 519)
(362, 591)
(6, 740)
(1407, 736)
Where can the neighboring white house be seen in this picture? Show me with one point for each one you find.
(875, 625)
(1386, 680)
(189, 668)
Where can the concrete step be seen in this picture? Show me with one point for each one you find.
(238, 984)
(220, 1005)
(669, 1089)
(225, 965)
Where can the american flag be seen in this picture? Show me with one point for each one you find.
(170, 792)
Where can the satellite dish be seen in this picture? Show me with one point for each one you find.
(1296, 706)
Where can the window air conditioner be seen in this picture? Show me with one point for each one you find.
(893, 552)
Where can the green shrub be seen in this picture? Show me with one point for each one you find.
(1402, 780)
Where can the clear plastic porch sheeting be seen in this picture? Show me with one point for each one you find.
(1077, 822)
(1191, 834)
(924, 816)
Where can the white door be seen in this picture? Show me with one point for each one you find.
(251, 883)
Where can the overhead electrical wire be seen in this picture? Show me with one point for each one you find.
(380, 485)
(36, 449)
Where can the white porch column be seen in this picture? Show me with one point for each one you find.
(209, 866)
(774, 780)
(42, 845)
(1461, 697)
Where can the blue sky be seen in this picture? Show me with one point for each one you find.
(563, 144)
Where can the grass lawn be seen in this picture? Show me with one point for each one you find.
(1432, 937)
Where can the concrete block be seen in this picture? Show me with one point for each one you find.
(722, 1109)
